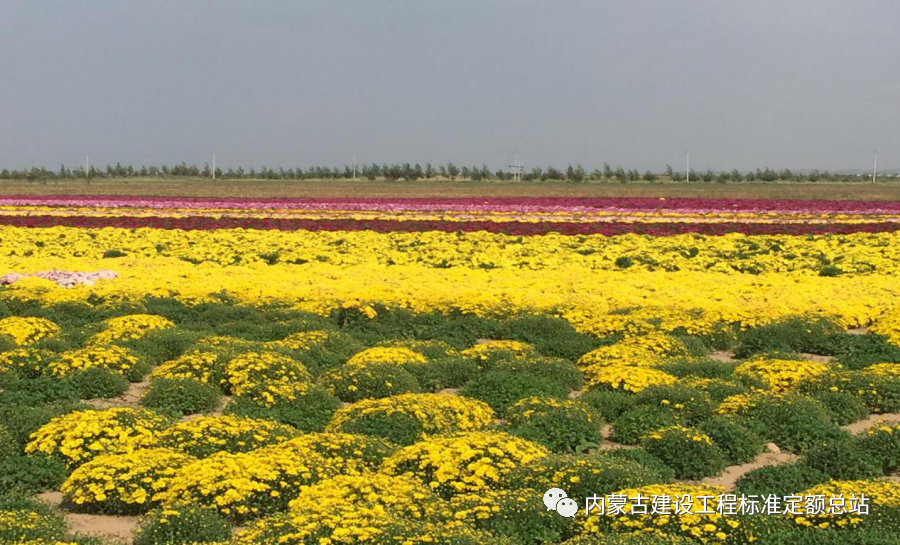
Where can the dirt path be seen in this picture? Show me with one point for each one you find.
(730, 476)
(119, 529)
(130, 398)
(869, 421)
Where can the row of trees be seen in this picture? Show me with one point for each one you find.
(414, 172)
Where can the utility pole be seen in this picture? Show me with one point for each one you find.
(214, 167)
(687, 171)
(354, 167)
(517, 167)
(874, 165)
(87, 166)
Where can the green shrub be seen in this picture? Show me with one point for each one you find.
(38, 391)
(23, 420)
(881, 443)
(781, 480)
(634, 424)
(641, 456)
(880, 394)
(98, 383)
(583, 476)
(8, 446)
(31, 474)
(860, 351)
(845, 408)
(549, 336)
(793, 334)
(372, 381)
(687, 451)
(500, 389)
(158, 346)
(795, 422)
(555, 369)
(843, 459)
(397, 427)
(518, 516)
(609, 404)
(717, 389)
(308, 413)
(739, 444)
(568, 426)
(180, 396)
(689, 404)
(182, 525)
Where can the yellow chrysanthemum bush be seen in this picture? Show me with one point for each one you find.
(889, 370)
(465, 462)
(705, 528)
(881, 443)
(26, 362)
(624, 378)
(782, 375)
(888, 324)
(206, 366)
(123, 483)
(882, 497)
(302, 340)
(23, 331)
(115, 358)
(206, 435)
(129, 328)
(387, 354)
(244, 486)
(266, 377)
(25, 521)
(486, 352)
(517, 514)
(407, 418)
(375, 380)
(347, 454)
(80, 436)
(640, 351)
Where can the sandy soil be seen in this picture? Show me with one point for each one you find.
(116, 528)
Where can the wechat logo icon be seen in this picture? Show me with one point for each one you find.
(557, 500)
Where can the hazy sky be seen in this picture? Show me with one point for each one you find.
(741, 83)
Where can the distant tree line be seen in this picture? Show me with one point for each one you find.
(409, 172)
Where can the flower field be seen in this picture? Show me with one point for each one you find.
(421, 371)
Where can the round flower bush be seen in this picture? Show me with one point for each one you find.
(466, 462)
(185, 525)
(253, 373)
(129, 328)
(26, 362)
(349, 453)
(242, 486)
(80, 436)
(488, 352)
(387, 354)
(371, 381)
(646, 351)
(781, 375)
(883, 498)
(302, 340)
(308, 412)
(561, 426)
(206, 435)
(633, 425)
(180, 396)
(626, 378)
(23, 331)
(29, 522)
(502, 388)
(407, 418)
(688, 404)
(882, 443)
(123, 483)
(738, 443)
(114, 358)
(518, 514)
(690, 453)
(891, 370)
(581, 476)
(205, 366)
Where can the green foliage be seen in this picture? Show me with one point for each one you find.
(31, 474)
(860, 351)
(845, 408)
(689, 457)
(48, 526)
(555, 369)
(522, 518)
(739, 444)
(641, 456)
(688, 404)
(98, 383)
(502, 388)
(795, 422)
(817, 536)
(609, 404)
(792, 334)
(397, 427)
(180, 396)
(630, 539)
(781, 480)
(634, 424)
(23, 420)
(372, 381)
(308, 413)
(882, 447)
(158, 346)
(549, 335)
(701, 368)
(38, 391)
(570, 427)
(182, 525)
(843, 459)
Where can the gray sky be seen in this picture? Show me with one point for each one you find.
(742, 83)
